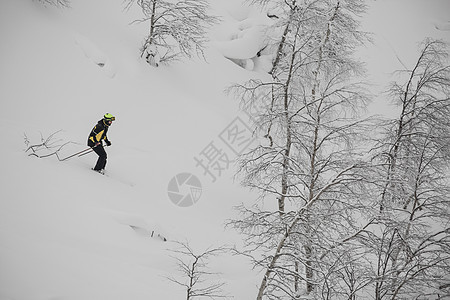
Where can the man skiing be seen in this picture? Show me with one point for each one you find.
(95, 141)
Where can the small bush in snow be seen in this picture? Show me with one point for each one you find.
(176, 29)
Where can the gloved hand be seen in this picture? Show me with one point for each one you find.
(108, 143)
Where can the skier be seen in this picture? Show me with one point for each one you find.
(95, 141)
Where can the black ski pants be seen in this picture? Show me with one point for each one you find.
(101, 161)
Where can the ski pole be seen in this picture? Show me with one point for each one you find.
(84, 153)
(81, 153)
(87, 150)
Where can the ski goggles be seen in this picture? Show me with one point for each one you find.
(109, 117)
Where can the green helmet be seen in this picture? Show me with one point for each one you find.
(109, 117)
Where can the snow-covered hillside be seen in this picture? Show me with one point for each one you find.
(69, 233)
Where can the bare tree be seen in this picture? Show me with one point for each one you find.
(413, 240)
(175, 28)
(195, 275)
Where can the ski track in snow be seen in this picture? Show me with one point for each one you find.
(141, 227)
(443, 26)
(98, 57)
(116, 178)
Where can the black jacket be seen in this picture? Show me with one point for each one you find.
(98, 133)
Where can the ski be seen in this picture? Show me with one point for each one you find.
(99, 171)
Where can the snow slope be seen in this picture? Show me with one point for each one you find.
(64, 230)
(67, 232)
